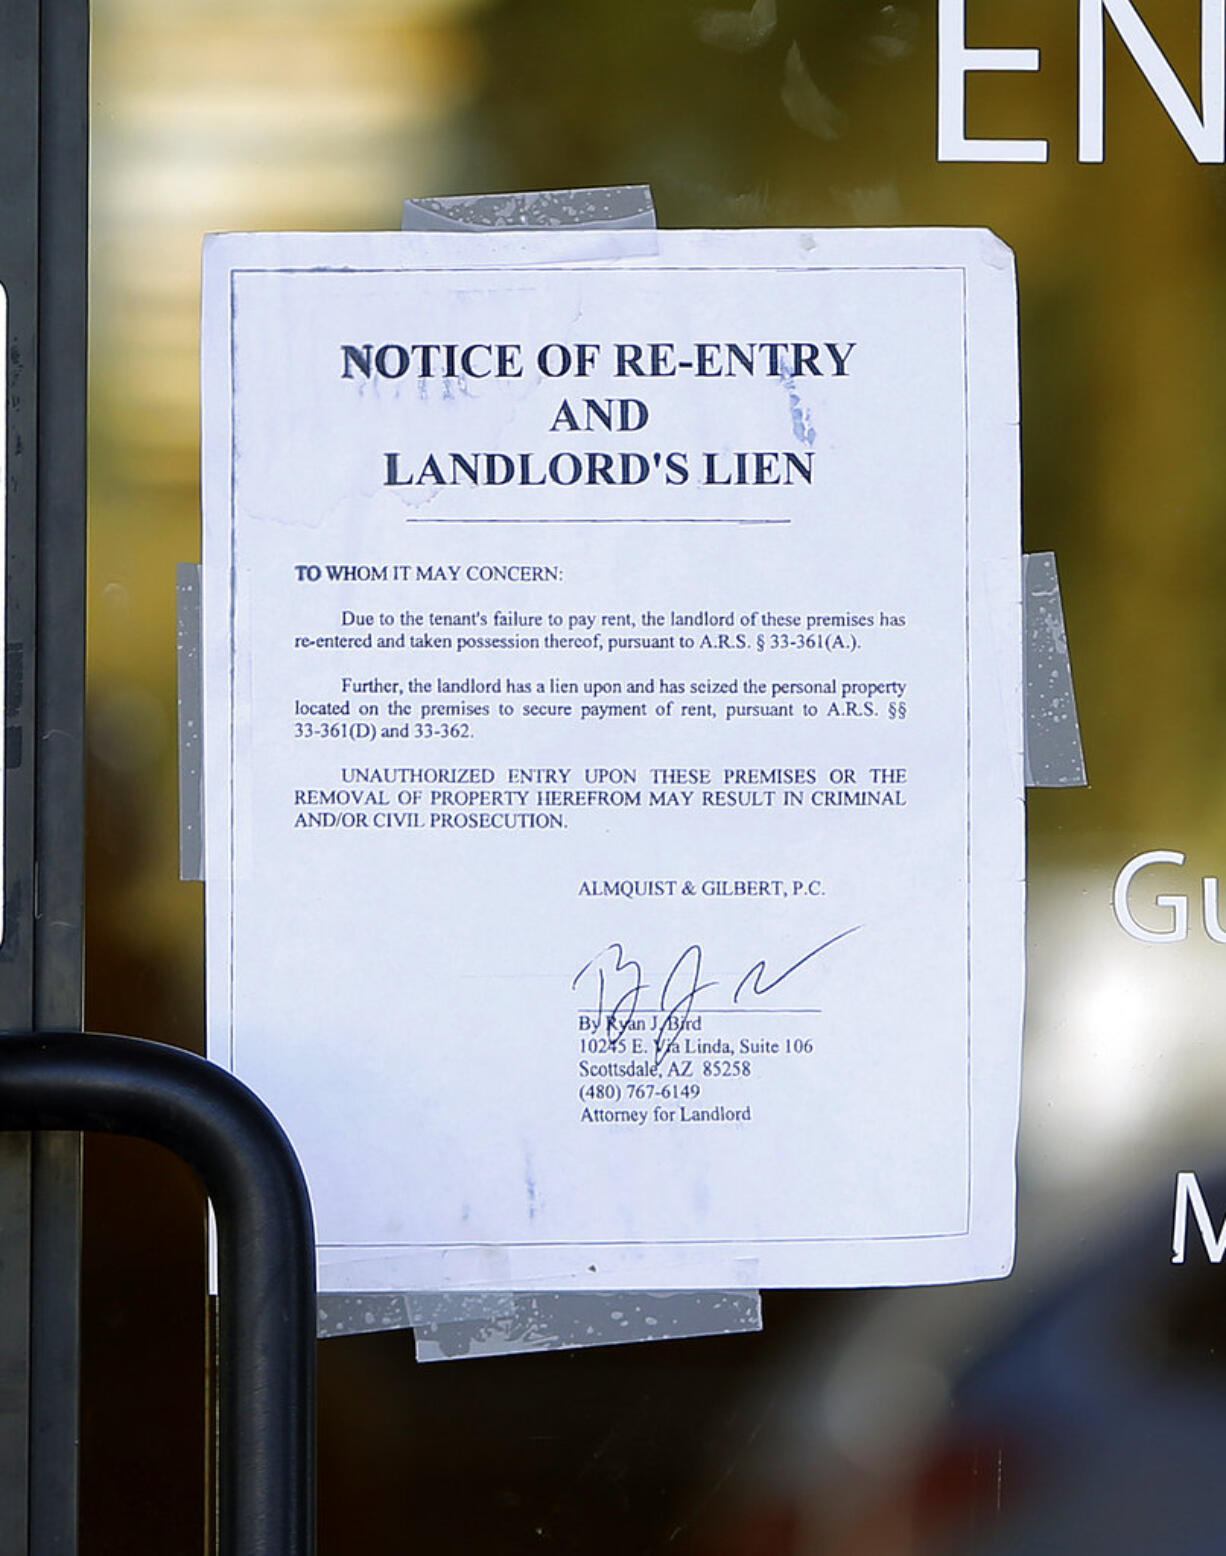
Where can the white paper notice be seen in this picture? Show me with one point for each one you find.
(613, 750)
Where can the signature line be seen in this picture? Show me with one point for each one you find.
(730, 1010)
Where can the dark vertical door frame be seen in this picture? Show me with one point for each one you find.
(19, 167)
(59, 761)
(44, 105)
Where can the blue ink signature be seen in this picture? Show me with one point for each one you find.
(615, 975)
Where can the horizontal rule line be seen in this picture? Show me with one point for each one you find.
(707, 1010)
(633, 519)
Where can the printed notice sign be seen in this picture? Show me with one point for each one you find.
(613, 750)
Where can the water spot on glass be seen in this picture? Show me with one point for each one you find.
(738, 31)
(806, 103)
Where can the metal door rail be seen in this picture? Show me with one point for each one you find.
(265, 1246)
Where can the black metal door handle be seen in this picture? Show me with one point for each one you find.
(265, 1246)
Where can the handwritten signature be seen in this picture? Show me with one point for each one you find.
(619, 986)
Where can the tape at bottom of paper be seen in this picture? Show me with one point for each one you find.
(367, 1312)
(556, 1321)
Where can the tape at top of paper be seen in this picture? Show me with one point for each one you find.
(621, 207)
